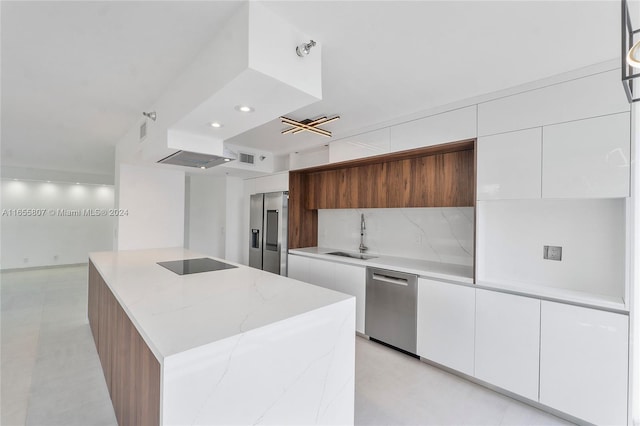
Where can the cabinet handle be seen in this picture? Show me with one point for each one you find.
(390, 280)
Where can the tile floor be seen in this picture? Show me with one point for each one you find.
(50, 373)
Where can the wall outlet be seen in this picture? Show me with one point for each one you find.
(25, 260)
(552, 253)
(55, 257)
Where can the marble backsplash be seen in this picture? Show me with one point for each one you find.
(442, 234)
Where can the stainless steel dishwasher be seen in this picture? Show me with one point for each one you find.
(391, 308)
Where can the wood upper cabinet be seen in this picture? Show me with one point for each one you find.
(442, 180)
(436, 176)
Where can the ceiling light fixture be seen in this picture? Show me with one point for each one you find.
(630, 55)
(308, 125)
(215, 124)
(152, 115)
(226, 160)
(633, 57)
(244, 108)
(202, 167)
(304, 49)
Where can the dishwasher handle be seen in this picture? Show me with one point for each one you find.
(391, 280)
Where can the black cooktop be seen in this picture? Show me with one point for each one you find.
(194, 266)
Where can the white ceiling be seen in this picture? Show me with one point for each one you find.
(77, 75)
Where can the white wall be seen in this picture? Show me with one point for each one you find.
(154, 199)
(205, 217)
(235, 245)
(435, 234)
(54, 238)
(214, 216)
(512, 233)
(219, 226)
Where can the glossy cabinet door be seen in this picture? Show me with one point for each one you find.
(348, 279)
(360, 146)
(298, 267)
(584, 362)
(509, 165)
(587, 158)
(590, 96)
(322, 273)
(351, 279)
(450, 126)
(446, 318)
(508, 341)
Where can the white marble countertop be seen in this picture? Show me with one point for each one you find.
(562, 295)
(423, 268)
(175, 313)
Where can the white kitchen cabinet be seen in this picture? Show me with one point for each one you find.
(359, 146)
(450, 126)
(508, 341)
(446, 318)
(587, 158)
(348, 279)
(576, 99)
(584, 362)
(298, 267)
(509, 165)
(351, 279)
(322, 273)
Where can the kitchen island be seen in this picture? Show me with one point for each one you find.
(232, 346)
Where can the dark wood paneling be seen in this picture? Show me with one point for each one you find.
(454, 179)
(303, 222)
(423, 172)
(93, 295)
(131, 370)
(439, 176)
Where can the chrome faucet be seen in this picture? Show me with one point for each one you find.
(363, 248)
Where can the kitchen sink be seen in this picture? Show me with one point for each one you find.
(351, 255)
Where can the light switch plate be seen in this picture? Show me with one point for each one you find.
(552, 253)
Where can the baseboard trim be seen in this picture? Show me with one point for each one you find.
(519, 398)
(35, 268)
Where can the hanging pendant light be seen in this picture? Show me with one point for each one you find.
(633, 57)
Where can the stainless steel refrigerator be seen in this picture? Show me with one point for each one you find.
(268, 232)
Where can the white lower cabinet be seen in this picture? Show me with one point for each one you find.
(584, 362)
(508, 341)
(298, 267)
(446, 317)
(351, 280)
(348, 279)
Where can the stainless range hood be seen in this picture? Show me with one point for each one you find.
(198, 160)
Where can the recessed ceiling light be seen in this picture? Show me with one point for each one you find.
(226, 159)
(202, 167)
(215, 124)
(244, 108)
(77, 183)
